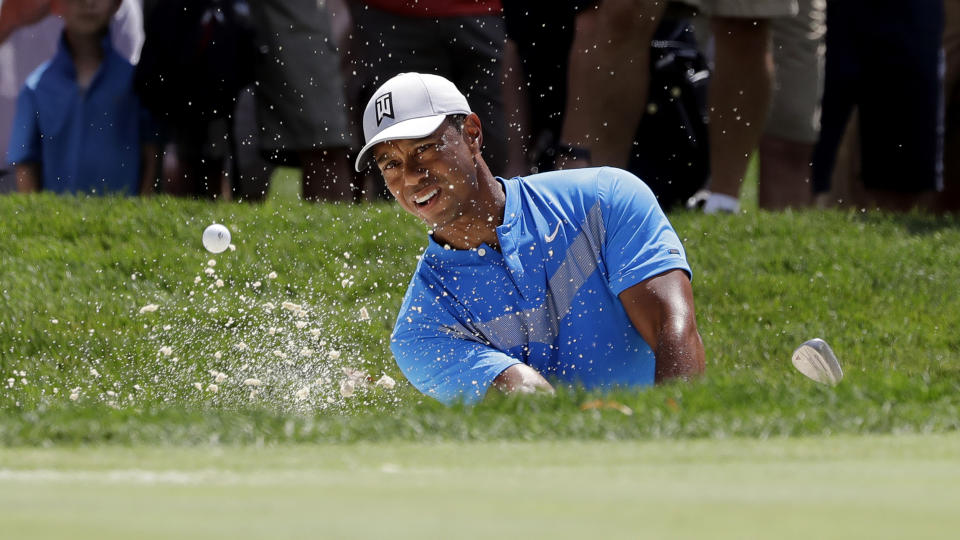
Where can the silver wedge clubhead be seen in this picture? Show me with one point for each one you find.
(816, 360)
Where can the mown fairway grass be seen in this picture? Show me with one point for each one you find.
(876, 487)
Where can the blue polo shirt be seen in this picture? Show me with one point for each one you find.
(571, 242)
(85, 141)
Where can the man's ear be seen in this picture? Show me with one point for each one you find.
(473, 132)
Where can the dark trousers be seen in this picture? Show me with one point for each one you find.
(884, 58)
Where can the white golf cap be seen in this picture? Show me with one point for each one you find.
(408, 106)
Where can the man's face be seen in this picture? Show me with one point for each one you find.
(433, 178)
(88, 17)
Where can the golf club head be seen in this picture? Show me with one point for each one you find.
(816, 360)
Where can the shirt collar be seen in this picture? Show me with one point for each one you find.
(511, 205)
(63, 61)
(511, 215)
(437, 253)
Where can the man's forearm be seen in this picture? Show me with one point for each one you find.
(679, 354)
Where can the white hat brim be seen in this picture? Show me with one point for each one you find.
(414, 128)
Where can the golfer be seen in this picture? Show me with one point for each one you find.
(568, 277)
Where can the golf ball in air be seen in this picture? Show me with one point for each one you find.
(216, 238)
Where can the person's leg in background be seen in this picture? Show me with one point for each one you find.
(300, 96)
(541, 34)
(193, 163)
(609, 75)
(255, 172)
(901, 108)
(786, 147)
(841, 92)
(740, 92)
(192, 151)
(476, 43)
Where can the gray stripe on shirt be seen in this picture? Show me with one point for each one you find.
(541, 324)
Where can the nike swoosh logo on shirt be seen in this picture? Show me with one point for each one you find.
(549, 237)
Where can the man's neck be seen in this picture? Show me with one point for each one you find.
(87, 53)
(481, 225)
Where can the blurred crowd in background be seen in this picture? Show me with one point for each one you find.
(843, 102)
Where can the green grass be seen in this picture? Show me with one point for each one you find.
(285, 185)
(752, 450)
(76, 271)
(873, 487)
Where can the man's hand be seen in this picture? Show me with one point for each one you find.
(661, 309)
(521, 379)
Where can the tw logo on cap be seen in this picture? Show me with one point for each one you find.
(384, 107)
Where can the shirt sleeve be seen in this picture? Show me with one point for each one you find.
(639, 241)
(25, 131)
(439, 356)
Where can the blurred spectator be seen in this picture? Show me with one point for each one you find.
(666, 145)
(740, 91)
(609, 78)
(885, 60)
(610, 93)
(539, 37)
(197, 58)
(461, 40)
(793, 124)
(254, 172)
(299, 108)
(299, 91)
(28, 37)
(78, 107)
